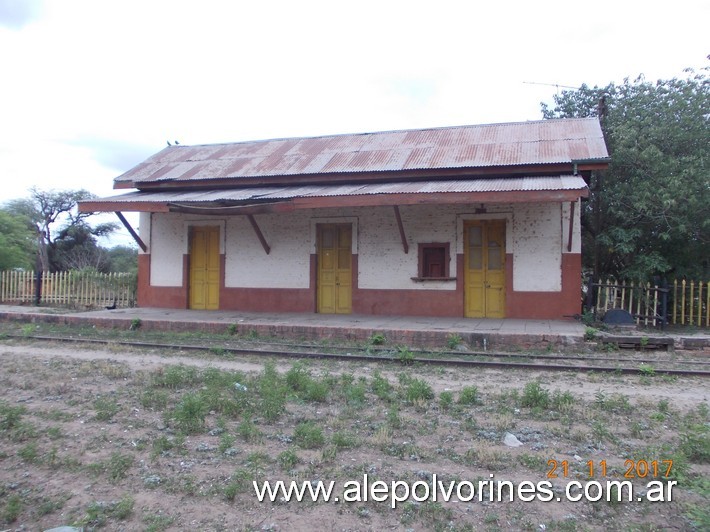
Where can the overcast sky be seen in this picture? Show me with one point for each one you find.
(90, 88)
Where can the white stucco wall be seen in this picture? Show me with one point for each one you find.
(382, 261)
(537, 241)
(168, 245)
(288, 263)
(536, 234)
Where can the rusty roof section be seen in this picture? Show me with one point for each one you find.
(480, 146)
(261, 195)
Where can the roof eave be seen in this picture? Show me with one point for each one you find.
(363, 177)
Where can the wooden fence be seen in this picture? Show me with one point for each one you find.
(657, 304)
(77, 289)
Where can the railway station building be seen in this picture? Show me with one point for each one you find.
(470, 221)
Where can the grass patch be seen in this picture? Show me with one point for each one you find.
(189, 414)
(469, 396)
(308, 435)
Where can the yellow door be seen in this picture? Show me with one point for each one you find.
(334, 268)
(204, 268)
(484, 269)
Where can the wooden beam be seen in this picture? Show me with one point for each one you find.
(130, 230)
(259, 234)
(401, 229)
(571, 224)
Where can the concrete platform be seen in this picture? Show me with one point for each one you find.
(398, 330)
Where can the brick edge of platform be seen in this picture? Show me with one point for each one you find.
(410, 338)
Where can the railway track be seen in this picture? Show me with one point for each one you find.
(543, 362)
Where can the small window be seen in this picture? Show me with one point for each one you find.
(434, 261)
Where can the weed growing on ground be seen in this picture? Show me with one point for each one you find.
(416, 389)
(288, 459)
(469, 396)
(105, 408)
(189, 414)
(453, 341)
(308, 435)
(13, 509)
(405, 356)
(446, 399)
(118, 465)
(377, 339)
(535, 396)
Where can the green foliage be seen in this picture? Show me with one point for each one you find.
(121, 259)
(97, 513)
(535, 396)
(469, 396)
(10, 416)
(590, 333)
(446, 399)
(272, 393)
(405, 355)
(105, 408)
(308, 435)
(650, 212)
(118, 465)
(29, 453)
(178, 376)
(418, 390)
(248, 430)
(344, 440)
(13, 509)
(71, 245)
(381, 387)
(453, 341)
(288, 459)
(17, 243)
(695, 443)
(377, 339)
(189, 414)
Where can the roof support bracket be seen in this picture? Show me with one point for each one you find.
(401, 229)
(571, 225)
(131, 231)
(259, 234)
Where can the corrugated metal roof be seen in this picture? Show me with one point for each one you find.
(512, 144)
(255, 195)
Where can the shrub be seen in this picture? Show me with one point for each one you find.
(308, 435)
(418, 390)
(377, 339)
(190, 413)
(446, 399)
(535, 396)
(469, 396)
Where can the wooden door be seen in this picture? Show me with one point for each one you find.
(204, 268)
(484, 269)
(334, 255)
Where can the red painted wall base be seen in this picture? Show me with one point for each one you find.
(441, 303)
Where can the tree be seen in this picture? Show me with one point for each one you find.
(122, 259)
(649, 213)
(16, 243)
(43, 211)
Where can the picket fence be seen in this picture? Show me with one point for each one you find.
(681, 303)
(76, 289)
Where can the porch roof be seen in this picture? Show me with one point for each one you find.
(253, 200)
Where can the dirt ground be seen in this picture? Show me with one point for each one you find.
(93, 437)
